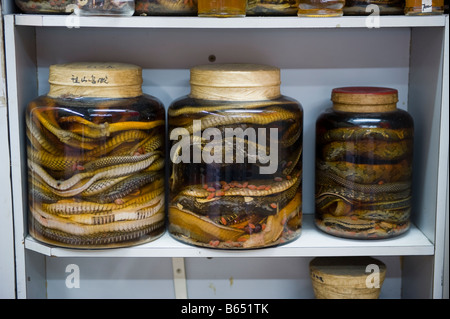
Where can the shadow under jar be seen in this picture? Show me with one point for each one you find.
(236, 159)
(95, 147)
(364, 148)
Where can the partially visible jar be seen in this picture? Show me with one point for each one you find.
(272, 7)
(106, 7)
(222, 8)
(166, 7)
(364, 154)
(95, 148)
(46, 6)
(367, 7)
(424, 7)
(236, 159)
(321, 8)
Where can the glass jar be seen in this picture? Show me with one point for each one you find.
(106, 7)
(95, 147)
(236, 159)
(383, 7)
(364, 147)
(424, 7)
(46, 6)
(321, 8)
(222, 8)
(272, 7)
(166, 7)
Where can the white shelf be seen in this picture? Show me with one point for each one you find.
(72, 21)
(311, 243)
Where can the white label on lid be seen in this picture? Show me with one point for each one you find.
(427, 5)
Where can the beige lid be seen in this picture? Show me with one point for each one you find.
(364, 99)
(95, 79)
(345, 271)
(235, 82)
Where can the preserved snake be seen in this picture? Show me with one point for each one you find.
(363, 172)
(96, 171)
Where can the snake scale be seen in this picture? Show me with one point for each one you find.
(363, 181)
(95, 181)
(231, 204)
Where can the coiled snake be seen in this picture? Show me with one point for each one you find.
(94, 184)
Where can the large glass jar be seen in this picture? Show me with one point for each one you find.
(364, 148)
(95, 146)
(272, 7)
(236, 159)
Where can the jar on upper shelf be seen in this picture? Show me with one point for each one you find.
(272, 7)
(236, 159)
(222, 8)
(105, 7)
(367, 7)
(46, 6)
(166, 7)
(320, 8)
(95, 148)
(424, 7)
(364, 153)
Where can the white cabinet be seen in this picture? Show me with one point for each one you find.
(315, 55)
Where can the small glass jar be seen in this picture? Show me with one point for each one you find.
(364, 148)
(106, 7)
(46, 6)
(272, 7)
(95, 147)
(321, 8)
(222, 8)
(236, 159)
(367, 7)
(166, 7)
(424, 7)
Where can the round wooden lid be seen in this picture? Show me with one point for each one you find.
(235, 82)
(345, 271)
(95, 79)
(364, 99)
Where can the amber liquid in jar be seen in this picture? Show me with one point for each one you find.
(424, 7)
(236, 172)
(363, 172)
(320, 8)
(95, 170)
(222, 8)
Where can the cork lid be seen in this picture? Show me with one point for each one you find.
(364, 99)
(95, 79)
(235, 82)
(345, 271)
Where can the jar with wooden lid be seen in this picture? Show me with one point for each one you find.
(95, 148)
(364, 149)
(236, 159)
